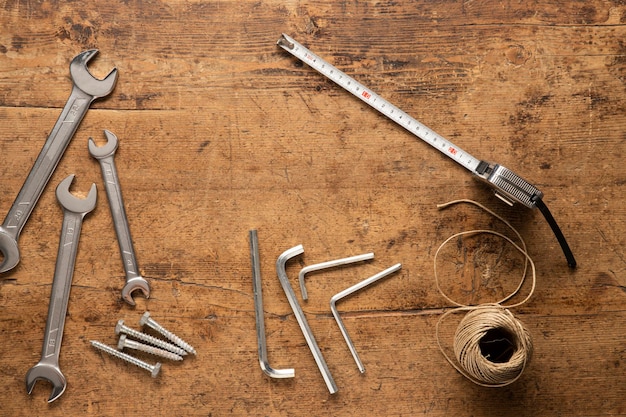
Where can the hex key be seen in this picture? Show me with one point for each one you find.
(348, 291)
(258, 308)
(329, 264)
(297, 310)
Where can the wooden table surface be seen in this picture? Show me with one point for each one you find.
(222, 132)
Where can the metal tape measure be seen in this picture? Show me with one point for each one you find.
(508, 186)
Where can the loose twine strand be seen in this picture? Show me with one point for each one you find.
(486, 318)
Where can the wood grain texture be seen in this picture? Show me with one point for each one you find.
(221, 131)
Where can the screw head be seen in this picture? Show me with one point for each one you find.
(118, 326)
(144, 318)
(156, 369)
(122, 342)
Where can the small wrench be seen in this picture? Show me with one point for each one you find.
(86, 89)
(74, 210)
(106, 156)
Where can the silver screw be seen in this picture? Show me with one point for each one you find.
(153, 369)
(146, 320)
(120, 328)
(124, 342)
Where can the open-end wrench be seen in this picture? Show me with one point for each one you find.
(85, 90)
(74, 210)
(106, 156)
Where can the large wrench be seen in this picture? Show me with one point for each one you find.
(106, 156)
(85, 90)
(74, 210)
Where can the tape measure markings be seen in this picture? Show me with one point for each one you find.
(377, 102)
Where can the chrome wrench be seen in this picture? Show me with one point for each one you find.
(85, 90)
(74, 210)
(106, 156)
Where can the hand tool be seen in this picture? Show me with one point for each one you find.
(345, 293)
(106, 157)
(329, 264)
(297, 311)
(258, 309)
(508, 186)
(74, 210)
(85, 90)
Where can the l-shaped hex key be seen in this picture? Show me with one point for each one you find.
(329, 264)
(297, 310)
(348, 291)
(258, 308)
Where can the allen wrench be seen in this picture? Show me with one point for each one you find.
(258, 309)
(297, 310)
(329, 264)
(345, 293)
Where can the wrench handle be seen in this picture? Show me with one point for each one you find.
(61, 285)
(49, 157)
(120, 221)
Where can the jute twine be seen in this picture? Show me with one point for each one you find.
(489, 322)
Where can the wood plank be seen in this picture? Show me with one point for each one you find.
(221, 131)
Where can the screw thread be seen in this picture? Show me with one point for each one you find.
(150, 322)
(171, 336)
(120, 328)
(153, 369)
(131, 344)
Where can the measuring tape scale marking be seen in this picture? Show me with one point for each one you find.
(380, 104)
(507, 185)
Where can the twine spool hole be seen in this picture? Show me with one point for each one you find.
(497, 345)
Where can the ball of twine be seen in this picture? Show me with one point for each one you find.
(491, 346)
(492, 324)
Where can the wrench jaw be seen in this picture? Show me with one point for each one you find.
(132, 284)
(9, 250)
(50, 373)
(101, 152)
(73, 204)
(86, 82)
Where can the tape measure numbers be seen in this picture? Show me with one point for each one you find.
(377, 102)
(508, 186)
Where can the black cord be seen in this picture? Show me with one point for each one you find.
(557, 231)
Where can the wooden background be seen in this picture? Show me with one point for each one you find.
(221, 132)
